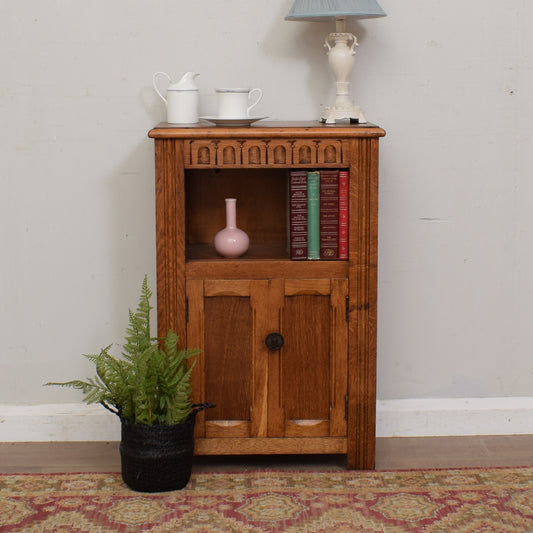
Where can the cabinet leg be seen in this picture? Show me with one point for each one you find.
(362, 457)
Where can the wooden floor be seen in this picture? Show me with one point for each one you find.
(393, 453)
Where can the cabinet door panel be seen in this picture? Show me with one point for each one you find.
(308, 376)
(228, 357)
(305, 357)
(224, 317)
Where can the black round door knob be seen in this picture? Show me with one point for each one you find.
(274, 341)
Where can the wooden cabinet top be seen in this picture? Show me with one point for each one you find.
(262, 129)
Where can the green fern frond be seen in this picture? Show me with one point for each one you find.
(95, 391)
(138, 337)
(150, 383)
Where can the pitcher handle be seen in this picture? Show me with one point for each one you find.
(260, 93)
(155, 84)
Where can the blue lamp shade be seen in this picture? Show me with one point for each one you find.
(327, 9)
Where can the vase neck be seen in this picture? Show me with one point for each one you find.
(231, 212)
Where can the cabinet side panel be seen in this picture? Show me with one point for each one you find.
(170, 237)
(305, 357)
(363, 305)
(228, 357)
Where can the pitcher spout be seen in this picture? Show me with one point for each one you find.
(187, 82)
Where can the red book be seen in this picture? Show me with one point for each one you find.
(329, 214)
(298, 214)
(344, 186)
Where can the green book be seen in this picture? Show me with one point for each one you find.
(313, 215)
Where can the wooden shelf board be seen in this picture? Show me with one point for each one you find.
(261, 261)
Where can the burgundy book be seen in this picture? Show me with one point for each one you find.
(298, 214)
(344, 186)
(329, 214)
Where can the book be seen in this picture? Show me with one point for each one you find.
(298, 214)
(329, 214)
(313, 215)
(344, 186)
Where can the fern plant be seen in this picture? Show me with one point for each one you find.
(150, 383)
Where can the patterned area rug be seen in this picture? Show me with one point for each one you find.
(432, 501)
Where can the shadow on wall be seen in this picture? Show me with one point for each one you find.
(132, 198)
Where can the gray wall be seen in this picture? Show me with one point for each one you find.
(451, 82)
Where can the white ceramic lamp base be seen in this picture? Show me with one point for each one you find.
(341, 56)
(330, 115)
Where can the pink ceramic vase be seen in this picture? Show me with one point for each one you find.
(231, 242)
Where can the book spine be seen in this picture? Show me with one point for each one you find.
(329, 214)
(313, 215)
(298, 214)
(344, 187)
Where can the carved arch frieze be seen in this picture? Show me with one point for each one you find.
(254, 153)
(329, 152)
(229, 153)
(280, 152)
(260, 152)
(203, 153)
(304, 152)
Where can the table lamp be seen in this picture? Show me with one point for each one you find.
(341, 47)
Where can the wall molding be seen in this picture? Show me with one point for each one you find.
(437, 417)
(395, 418)
(57, 422)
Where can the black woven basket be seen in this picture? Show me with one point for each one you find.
(158, 458)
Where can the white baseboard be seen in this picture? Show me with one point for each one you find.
(395, 418)
(57, 422)
(455, 416)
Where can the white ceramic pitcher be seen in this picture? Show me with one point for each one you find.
(181, 98)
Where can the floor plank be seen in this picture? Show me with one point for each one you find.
(451, 452)
(391, 453)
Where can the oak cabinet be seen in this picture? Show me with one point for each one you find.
(288, 347)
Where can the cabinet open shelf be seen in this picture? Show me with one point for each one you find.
(261, 208)
(261, 252)
(260, 261)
